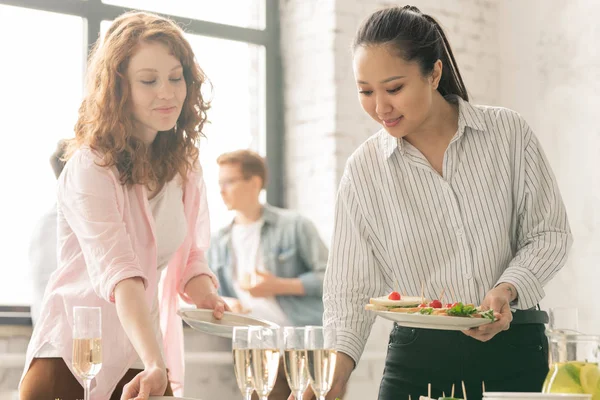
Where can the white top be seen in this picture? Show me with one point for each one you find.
(249, 259)
(42, 257)
(496, 215)
(170, 229)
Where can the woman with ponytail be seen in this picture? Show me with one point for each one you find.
(448, 196)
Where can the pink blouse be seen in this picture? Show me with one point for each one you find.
(106, 234)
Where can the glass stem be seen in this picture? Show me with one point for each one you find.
(299, 394)
(86, 389)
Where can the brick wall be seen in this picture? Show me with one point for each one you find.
(552, 77)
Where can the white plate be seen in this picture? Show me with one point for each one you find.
(441, 322)
(170, 398)
(203, 321)
(536, 396)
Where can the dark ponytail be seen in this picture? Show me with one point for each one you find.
(417, 37)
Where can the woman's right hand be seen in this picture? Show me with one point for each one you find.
(150, 382)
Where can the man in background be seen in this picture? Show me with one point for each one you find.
(270, 262)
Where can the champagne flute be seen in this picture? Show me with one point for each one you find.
(294, 360)
(320, 358)
(264, 346)
(87, 345)
(242, 361)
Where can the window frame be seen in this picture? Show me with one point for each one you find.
(94, 12)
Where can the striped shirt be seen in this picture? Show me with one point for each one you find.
(495, 216)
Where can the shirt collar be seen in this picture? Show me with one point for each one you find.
(468, 115)
(268, 215)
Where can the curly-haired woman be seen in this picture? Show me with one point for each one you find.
(131, 202)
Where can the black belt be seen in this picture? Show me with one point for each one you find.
(531, 316)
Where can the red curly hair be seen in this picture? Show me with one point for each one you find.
(105, 121)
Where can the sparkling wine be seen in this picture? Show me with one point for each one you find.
(242, 361)
(321, 364)
(265, 364)
(294, 362)
(87, 357)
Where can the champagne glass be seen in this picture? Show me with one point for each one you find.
(242, 361)
(264, 346)
(87, 344)
(320, 358)
(294, 360)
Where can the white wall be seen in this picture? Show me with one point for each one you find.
(551, 74)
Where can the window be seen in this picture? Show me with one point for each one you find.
(243, 13)
(235, 50)
(41, 95)
(236, 71)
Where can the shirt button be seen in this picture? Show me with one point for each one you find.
(468, 275)
(460, 232)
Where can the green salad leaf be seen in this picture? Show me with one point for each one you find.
(462, 310)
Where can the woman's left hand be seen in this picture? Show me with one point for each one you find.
(203, 292)
(497, 299)
(212, 301)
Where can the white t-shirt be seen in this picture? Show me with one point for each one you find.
(249, 259)
(170, 227)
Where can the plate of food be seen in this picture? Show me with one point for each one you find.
(204, 321)
(418, 312)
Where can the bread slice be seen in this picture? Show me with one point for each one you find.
(406, 301)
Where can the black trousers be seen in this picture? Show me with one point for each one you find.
(512, 361)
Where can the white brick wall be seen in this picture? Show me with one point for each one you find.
(553, 79)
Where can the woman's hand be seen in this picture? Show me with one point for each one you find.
(497, 299)
(212, 301)
(204, 294)
(150, 382)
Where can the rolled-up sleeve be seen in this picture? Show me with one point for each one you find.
(352, 275)
(199, 227)
(543, 234)
(91, 199)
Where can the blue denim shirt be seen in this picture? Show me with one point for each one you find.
(291, 248)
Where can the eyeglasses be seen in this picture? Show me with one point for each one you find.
(228, 182)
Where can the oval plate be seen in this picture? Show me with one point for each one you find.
(170, 398)
(203, 321)
(440, 322)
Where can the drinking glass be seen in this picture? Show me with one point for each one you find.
(265, 347)
(320, 358)
(242, 361)
(294, 360)
(87, 344)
